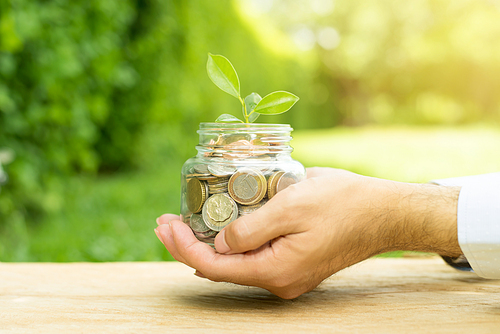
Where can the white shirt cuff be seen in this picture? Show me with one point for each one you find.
(478, 221)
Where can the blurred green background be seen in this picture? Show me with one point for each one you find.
(100, 101)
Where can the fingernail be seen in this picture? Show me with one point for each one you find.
(197, 273)
(222, 246)
(158, 221)
(159, 236)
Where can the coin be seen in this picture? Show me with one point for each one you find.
(217, 180)
(218, 185)
(218, 211)
(244, 210)
(206, 177)
(271, 183)
(221, 170)
(286, 180)
(247, 186)
(231, 138)
(196, 194)
(199, 176)
(201, 168)
(279, 181)
(197, 224)
(205, 235)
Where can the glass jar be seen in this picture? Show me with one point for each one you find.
(238, 168)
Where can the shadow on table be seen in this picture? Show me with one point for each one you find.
(251, 298)
(225, 296)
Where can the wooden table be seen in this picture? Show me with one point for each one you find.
(377, 296)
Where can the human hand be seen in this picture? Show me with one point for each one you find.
(317, 227)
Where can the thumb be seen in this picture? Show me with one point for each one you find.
(250, 232)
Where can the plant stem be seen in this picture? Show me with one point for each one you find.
(244, 108)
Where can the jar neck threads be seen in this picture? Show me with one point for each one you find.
(236, 141)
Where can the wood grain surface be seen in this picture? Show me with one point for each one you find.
(380, 295)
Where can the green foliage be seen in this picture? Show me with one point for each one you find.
(83, 82)
(228, 118)
(276, 103)
(223, 75)
(395, 62)
(251, 101)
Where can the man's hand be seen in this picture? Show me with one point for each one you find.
(313, 229)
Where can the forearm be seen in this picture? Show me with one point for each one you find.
(425, 219)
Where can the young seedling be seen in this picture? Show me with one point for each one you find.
(223, 75)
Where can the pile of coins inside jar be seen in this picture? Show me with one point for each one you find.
(217, 194)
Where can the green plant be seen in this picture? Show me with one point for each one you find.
(223, 75)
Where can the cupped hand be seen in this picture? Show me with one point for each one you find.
(304, 234)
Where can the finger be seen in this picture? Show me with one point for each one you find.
(164, 233)
(247, 269)
(252, 231)
(164, 219)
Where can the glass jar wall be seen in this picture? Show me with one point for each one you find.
(238, 168)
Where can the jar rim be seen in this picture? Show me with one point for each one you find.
(244, 126)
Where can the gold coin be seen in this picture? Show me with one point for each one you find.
(196, 194)
(286, 180)
(217, 191)
(247, 186)
(271, 183)
(279, 181)
(218, 211)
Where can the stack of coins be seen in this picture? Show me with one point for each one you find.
(248, 209)
(218, 185)
(218, 194)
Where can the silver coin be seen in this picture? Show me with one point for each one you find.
(201, 168)
(221, 170)
(198, 224)
(207, 234)
(218, 191)
(218, 211)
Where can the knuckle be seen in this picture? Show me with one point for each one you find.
(238, 235)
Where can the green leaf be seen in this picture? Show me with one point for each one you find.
(226, 118)
(276, 103)
(253, 117)
(223, 75)
(251, 102)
